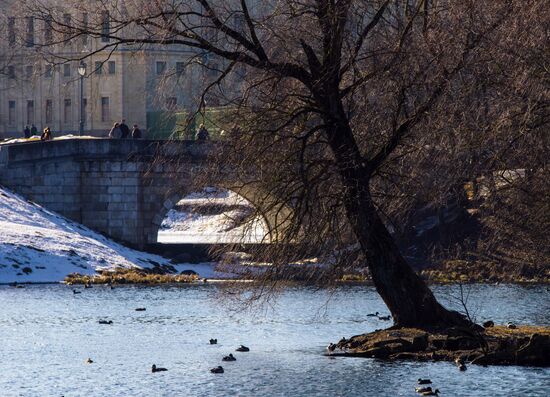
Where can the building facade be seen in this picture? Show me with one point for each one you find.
(40, 84)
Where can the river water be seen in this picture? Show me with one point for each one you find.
(47, 333)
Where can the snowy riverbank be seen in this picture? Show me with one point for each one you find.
(39, 246)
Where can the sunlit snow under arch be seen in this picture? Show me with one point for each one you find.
(213, 216)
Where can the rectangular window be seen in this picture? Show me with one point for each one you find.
(67, 111)
(48, 35)
(29, 71)
(30, 112)
(11, 31)
(112, 67)
(105, 27)
(98, 67)
(67, 70)
(161, 67)
(67, 27)
(180, 69)
(11, 72)
(49, 111)
(105, 113)
(84, 28)
(48, 72)
(29, 39)
(11, 112)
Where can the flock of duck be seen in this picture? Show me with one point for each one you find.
(154, 369)
(426, 390)
(216, 370)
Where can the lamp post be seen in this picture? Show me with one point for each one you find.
(82, 73)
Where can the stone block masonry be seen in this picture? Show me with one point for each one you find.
(111, 186)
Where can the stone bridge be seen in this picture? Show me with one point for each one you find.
(122, 188)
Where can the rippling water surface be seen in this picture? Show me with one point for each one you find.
(47, 332)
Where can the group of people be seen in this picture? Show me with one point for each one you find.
(31, 131)
(28, 132)
(122, 131)
(119, 131)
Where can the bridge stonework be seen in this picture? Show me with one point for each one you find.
(122, 188)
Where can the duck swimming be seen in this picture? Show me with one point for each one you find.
(384, 318)
(140, 309)
(154, 369)
(213, 341)
(431, 393)
(76, 292)
(89, 361)
(229, 358)
(422, 389)
(106, 322)
(242, 348)
(460, 364)
(424, 381)
(217, 370)
(373, 314)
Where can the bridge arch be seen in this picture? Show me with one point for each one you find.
(117, 187)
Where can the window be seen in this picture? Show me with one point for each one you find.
(49, 111)
(11, 31)
(67, 70)
(111, 67)
(105, 113)
(29, 39)
(66, 28)
(67, 111)
(49, 71)
(180, 69)
(11, 72)
(29, 71)
(161, 67)
(98, 67)
(105, 27)
(171, 103)
(84, 28)
(48, 35)
(11, 112)
(30, 112)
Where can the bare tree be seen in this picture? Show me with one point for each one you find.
(345, 112)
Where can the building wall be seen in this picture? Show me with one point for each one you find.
(131, 90)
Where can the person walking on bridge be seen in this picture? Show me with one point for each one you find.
(202, 134)
(46, 135)
(115, 132)
(136, 132)
(27, 132)
(124, 130)
(34, 130)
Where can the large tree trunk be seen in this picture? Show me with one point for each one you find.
(410, 301)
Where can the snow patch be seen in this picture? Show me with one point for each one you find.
(37, 245)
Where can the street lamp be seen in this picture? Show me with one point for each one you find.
(82, 73)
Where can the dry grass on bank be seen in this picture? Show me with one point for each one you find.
(129, 276)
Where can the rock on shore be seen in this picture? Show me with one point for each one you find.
(499, 345)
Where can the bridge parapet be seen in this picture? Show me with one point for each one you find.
(100, 148)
